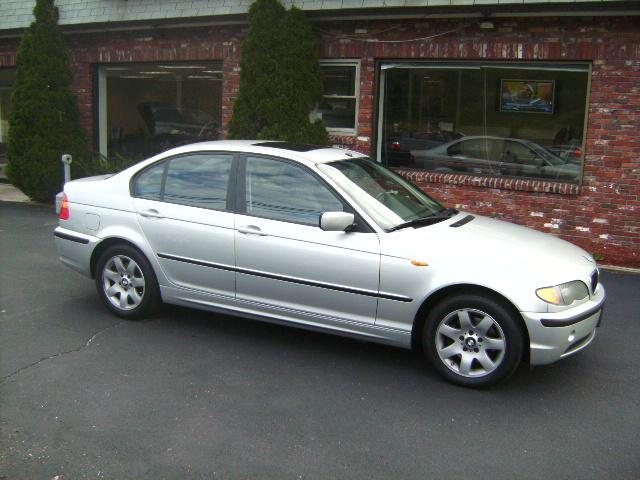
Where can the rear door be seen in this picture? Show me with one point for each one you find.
(185, 210)
(285, 262)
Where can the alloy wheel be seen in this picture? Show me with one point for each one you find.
(470, 342)
(123, 282)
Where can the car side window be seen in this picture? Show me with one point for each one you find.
(148, 184)
(515, 152)
(281, 191)
(198, 180)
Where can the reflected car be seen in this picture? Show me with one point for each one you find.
(398, 147)
(486, 155)
(329, 240)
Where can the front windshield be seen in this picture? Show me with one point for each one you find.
(386, 197)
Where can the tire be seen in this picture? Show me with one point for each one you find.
(126, 282)
(473, 340)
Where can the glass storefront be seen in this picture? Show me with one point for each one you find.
(7, 80)
(517, 120)
(147, 108)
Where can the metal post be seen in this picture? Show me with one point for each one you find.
(66, 160)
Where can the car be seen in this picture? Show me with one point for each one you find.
(328, 239)
(488, 155)
(398, 147)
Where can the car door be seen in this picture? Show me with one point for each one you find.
(184, 209)
(285, 262)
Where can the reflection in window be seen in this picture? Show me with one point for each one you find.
(338, 106)
(198, 181)
(153, 107)
(281, 191)
(521, 120)
(148, 184)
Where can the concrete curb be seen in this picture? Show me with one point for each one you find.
(615, 269)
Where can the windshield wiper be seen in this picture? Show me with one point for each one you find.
(430, 220)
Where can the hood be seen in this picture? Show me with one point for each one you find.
(491, 246)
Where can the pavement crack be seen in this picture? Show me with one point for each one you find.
(60, 354)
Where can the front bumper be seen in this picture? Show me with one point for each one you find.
(557, 335)
(75, 249)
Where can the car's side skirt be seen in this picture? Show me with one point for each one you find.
(285, 316)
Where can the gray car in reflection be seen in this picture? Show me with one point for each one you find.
(486, 155)
(329, 240)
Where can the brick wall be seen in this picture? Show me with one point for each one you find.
(602, 216)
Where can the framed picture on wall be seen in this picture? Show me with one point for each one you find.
(529, 96)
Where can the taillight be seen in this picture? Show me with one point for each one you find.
(64, 209)
(395, 145)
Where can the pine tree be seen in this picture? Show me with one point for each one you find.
(280, 79)
(45, 120)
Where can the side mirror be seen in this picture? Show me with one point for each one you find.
(336, 221)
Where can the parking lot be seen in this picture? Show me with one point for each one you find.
(190, 394)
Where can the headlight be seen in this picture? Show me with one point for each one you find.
(564, 294)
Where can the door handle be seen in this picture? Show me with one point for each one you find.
(151, 213)
(252, 230)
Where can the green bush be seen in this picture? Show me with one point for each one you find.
(45, 120)
(280, 79)
(98, 164)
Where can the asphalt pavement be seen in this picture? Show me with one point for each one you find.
(189, 394)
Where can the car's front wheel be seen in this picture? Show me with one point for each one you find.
(472, 340)
(126, 282)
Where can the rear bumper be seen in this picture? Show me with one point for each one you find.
(557, 335)
(75, 249)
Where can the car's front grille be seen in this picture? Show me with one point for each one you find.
(594, 280)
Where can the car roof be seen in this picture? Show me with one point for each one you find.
(310, 153)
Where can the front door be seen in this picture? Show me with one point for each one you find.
(284, 260)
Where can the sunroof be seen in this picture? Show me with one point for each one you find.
(296, 147)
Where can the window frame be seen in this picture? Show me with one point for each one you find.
(356, 93)
(231, 182)
(362, 226)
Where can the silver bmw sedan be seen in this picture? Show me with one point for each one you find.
(327, 239)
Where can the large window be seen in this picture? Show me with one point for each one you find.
(147, 108)
(339, 106)
(518, 120)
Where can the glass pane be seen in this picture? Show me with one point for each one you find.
(338, 112)
(154, 107)
(386, 197)
(339, 80)
(149, 182)
(199, 181)
(281, 191)
(492, 119)
(427, 109)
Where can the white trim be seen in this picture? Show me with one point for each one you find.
(356, 93)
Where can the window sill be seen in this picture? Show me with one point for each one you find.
(501, 183)
(336, 132)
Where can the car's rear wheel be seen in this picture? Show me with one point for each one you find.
(472, 340)
(126, 282)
